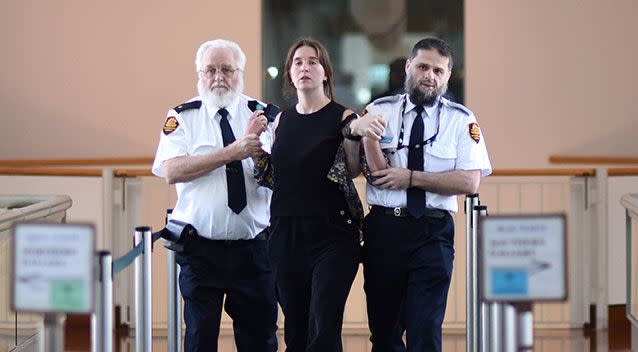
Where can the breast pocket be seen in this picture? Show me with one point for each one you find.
(440, 158)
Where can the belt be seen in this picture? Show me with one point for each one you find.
(403, 212)
(262, 236)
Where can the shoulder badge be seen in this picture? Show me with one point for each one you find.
(456, 106)
(195, 104)
(170, 125)
(387, 100)
(474, 131)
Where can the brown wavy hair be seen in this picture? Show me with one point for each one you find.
(324, 60)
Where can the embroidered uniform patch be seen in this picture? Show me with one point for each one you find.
(170, 125)
(475, 132)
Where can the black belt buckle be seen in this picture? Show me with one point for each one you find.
(392, 211)
(396, 211)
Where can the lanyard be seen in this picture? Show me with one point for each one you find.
(429, 141)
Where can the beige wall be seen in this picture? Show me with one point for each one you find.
(90, 79)
(95, 79)
(553, 77)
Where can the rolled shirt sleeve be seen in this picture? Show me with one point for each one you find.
(471, 149)
(171, 145)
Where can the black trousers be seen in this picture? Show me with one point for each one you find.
(315, 260)
(240, 270)
(407, 270)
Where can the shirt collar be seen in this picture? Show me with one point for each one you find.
(233, 109)
(430, 111)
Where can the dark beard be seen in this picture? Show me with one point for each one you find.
(420, 97)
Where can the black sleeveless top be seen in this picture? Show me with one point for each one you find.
(303, 153)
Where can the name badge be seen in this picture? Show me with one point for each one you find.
(385, 139)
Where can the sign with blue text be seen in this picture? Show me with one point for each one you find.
(53, 267)
(523, 258)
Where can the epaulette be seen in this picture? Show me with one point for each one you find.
(195, 104)
(456, 106)
(387, 100)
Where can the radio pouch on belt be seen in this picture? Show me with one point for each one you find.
(177, 234)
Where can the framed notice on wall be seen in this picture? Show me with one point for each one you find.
(53, 267)
(523, 258)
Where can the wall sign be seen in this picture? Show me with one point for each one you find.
(523, 258)
(53, 267)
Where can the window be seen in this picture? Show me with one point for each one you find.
(363, 38)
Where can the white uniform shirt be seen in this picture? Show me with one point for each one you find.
(453, 149)
(203, 202)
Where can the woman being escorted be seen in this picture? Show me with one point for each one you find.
(315, 209)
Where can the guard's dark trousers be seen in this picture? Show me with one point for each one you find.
(239, 270)
(407, 269)
(315, 259)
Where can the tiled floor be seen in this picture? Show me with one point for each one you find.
(78, 340)
(453, 341)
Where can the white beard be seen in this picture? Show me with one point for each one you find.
(220, 97)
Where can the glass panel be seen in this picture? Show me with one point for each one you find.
(14, 328)
(11, 334)
(7, 317)
(363, 38)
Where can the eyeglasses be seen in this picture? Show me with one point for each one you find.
(227, 72)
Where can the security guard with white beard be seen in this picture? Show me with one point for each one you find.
(205, 149)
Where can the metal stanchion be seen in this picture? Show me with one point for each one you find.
(496, 326)
(143, 298)
(525, 322)
(484, 326)
(102, 317)
(471, 318)
(481, 310)
(174, 311)
(53, 340)
(509, 328)
(139, 294)
(174, 302)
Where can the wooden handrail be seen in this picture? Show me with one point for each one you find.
(76, 162)
(544, 172)
(49, 172)
(623, 171)
(132, 172)
(564, 159)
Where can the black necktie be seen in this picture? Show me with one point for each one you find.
(416, 196)
(234, 171)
